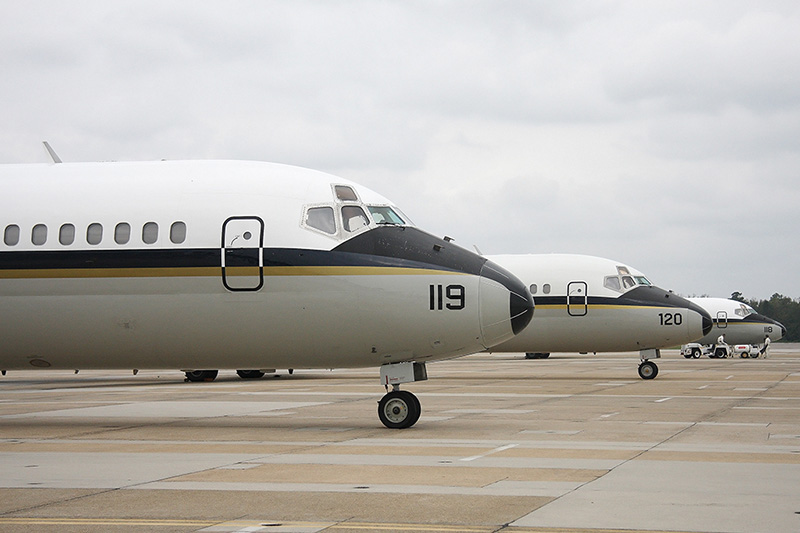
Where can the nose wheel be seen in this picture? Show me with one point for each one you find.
(648, 370)
(399, 409)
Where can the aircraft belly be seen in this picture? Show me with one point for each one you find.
(321, 321)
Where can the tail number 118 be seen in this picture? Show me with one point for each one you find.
(451, 297)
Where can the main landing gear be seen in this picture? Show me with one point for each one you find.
(647, 368)
(201, 375)
(400, 409)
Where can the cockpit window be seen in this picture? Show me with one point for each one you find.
(383, 214)
(354, 218)
(321, 218)
(612, 282)
(623, 271)
(345, 193)
(743, 310)
(624, 282)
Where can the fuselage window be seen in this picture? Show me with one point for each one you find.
(534, 288)
(345, 193)
(546, 288)
(39, 234)
(321, 218)
(150, 233)
(122, 233)
(612, 282)
(11, 235)
(94, 233)
(177, 232)
(353, 218)
(66, 234)
(383, 214)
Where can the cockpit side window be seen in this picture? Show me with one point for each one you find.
(321, 218)
(612, 282)
(354, 218)
(627, 282)
(345, 193)
(641, 280)
(383, 214)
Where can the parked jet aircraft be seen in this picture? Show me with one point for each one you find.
(591, 304)
(739, 322)
(221, 264)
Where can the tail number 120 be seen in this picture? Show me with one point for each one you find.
(451, 297)
(670, 319)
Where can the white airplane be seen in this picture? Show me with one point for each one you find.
(739, 322)
(221, 264)
(592, 304)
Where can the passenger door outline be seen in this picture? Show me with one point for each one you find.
(242, 253)
(577, 298)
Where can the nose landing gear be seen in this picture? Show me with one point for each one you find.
(400, 409)
(647, 368)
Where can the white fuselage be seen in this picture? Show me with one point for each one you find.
(592, 304)
(738, 322)
(220, 264)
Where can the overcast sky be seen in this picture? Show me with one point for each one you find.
(663, 135)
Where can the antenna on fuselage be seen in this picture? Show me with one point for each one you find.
(52, 152)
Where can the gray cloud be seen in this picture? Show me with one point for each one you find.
(664, 136)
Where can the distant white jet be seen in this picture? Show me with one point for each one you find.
(592, 304)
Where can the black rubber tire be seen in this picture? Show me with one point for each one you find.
(536, 355)
(399, 410)
(250, 374)
(201, 375)
(648, 370)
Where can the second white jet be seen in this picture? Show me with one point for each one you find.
(591, 304)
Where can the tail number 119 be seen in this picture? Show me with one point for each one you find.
(451, 297)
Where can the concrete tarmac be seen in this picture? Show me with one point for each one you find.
(570, 443)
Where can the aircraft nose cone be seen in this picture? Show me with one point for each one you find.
(707, 321)
(520, 309)
(783, 329)
(506, 305)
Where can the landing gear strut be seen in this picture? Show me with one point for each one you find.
(400, 409)
(647, 368)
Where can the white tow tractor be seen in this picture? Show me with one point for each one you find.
(694, 350)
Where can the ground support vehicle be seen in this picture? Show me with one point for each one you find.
(694, 350)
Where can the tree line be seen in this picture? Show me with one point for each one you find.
(781, 308)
